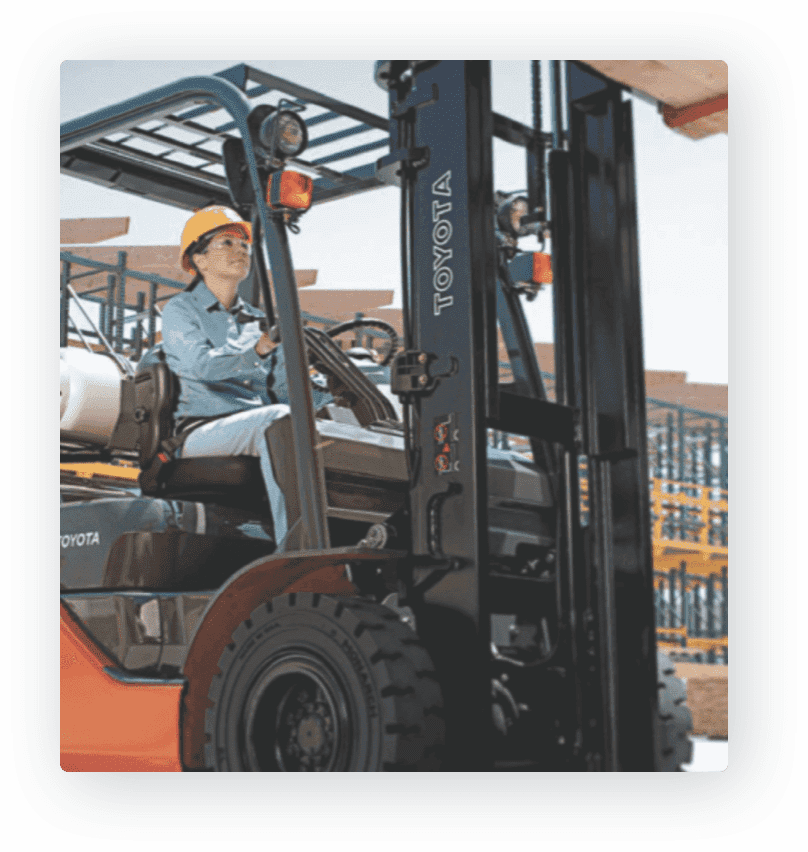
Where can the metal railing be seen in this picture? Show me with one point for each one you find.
(692, 613)
(687, 445)
(115, 314)
(130, 328)
(690, 513)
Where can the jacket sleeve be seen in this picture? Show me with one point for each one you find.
(192, 354)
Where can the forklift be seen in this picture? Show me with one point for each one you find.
(451, 606)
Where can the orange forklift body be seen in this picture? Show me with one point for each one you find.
(112, 726)
(107, 725)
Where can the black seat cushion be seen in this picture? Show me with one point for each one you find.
(234, 481)
(228, 480)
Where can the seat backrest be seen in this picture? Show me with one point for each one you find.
(156, 392)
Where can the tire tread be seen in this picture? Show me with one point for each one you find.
(674, 746)
(411, 703)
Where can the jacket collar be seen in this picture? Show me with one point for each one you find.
(207, 301)
(240, 309)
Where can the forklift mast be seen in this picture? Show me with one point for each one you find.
(602, 665)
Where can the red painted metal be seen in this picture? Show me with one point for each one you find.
(685, 115)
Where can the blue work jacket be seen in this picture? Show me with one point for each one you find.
(212, 351)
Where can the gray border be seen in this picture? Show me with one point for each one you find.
(514, 807)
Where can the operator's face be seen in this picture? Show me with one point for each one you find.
(227, 256)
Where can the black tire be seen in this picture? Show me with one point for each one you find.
(674, 746)
(318, 683)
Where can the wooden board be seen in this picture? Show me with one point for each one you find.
(86, 231)
(678, 85)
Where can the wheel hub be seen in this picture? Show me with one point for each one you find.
(309, 725)
(311, 735)
(306, 732)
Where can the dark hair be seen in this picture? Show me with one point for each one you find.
(197, 280)
(199, 247)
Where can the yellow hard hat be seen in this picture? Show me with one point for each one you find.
(204, 222)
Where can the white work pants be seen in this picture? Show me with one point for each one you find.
(244, 434)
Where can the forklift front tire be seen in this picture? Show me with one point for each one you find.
(319, 683)
(674, 746)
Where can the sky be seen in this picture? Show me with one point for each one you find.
(682, 190)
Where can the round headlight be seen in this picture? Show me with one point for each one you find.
(517, 210)
(291, 134)
(285, 133)
(510, 213)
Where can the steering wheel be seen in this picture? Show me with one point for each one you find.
(391, 345)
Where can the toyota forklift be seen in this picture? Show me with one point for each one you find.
(450, 605)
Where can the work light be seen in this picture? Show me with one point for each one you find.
(284, 133)
(291, 190)
(509, 215)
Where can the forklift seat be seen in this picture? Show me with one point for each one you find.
(359, 477)
(234, 481)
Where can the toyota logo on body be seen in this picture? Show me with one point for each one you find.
(79, 539)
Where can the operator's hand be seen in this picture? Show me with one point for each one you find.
(264, 345)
